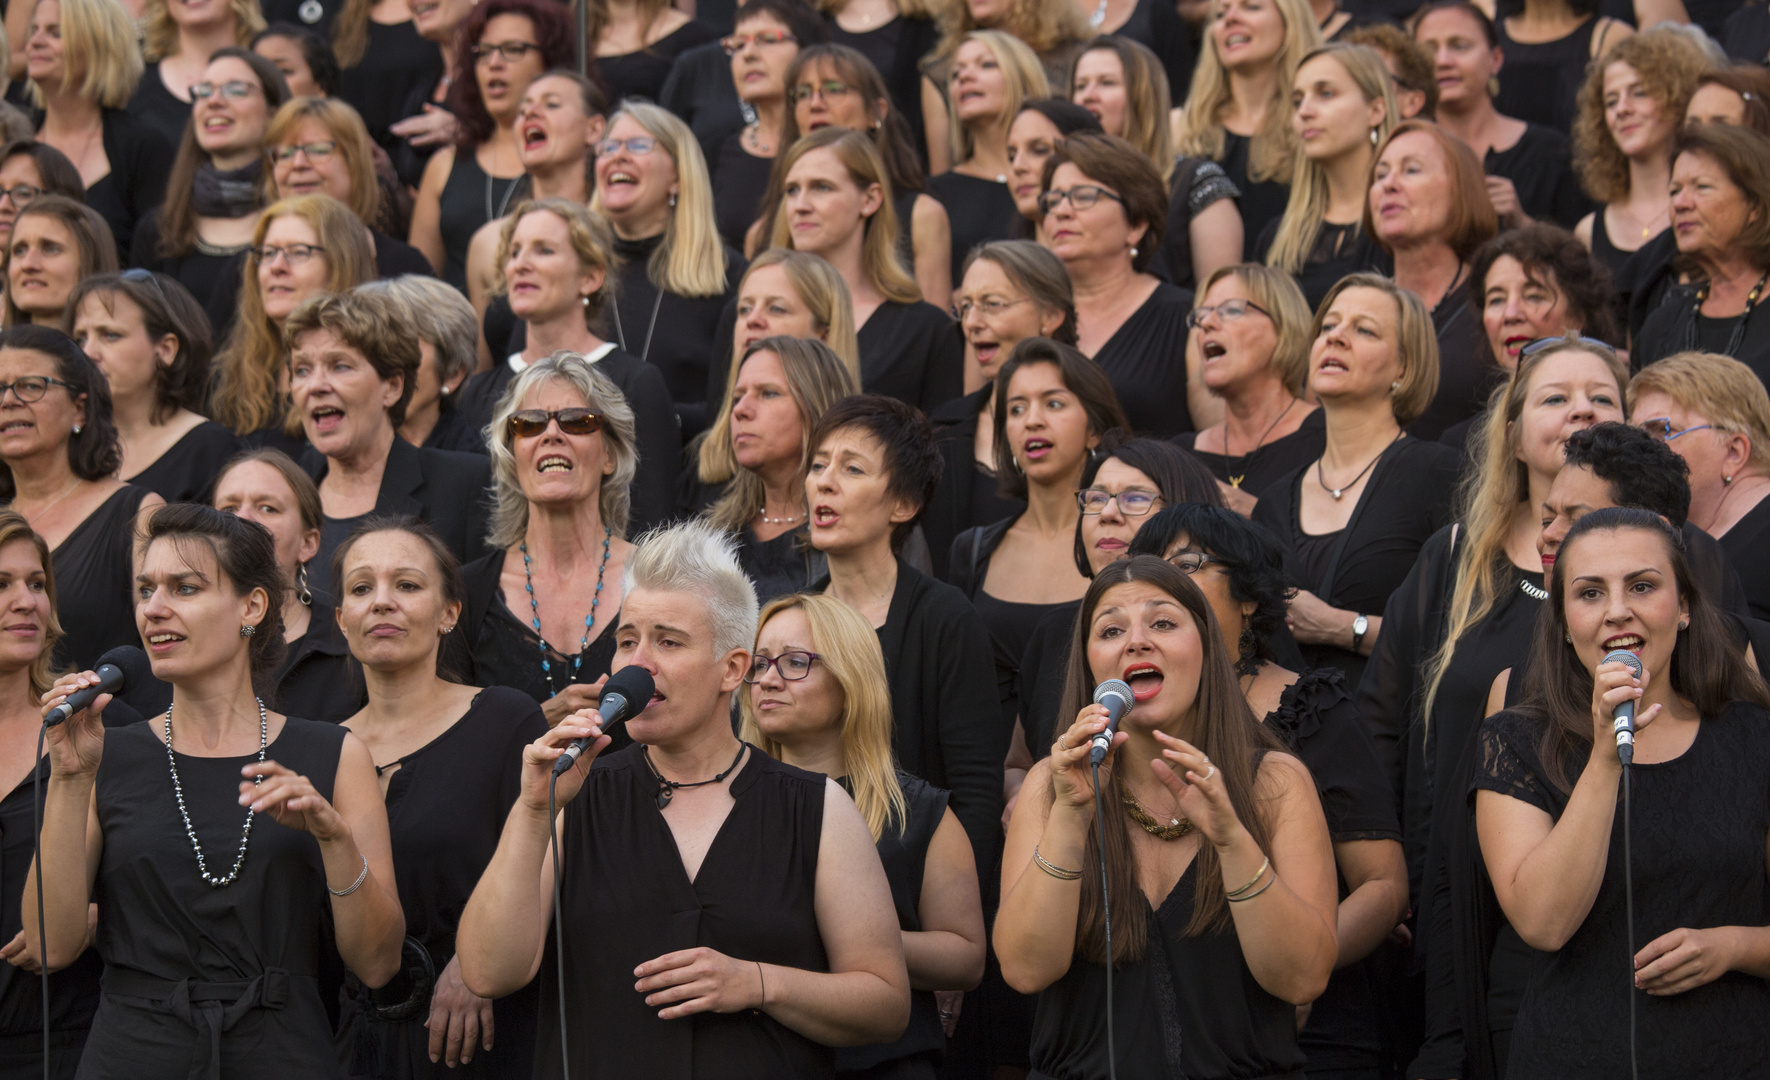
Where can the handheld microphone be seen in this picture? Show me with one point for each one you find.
(1115, 694)
(117, 670)
(625, 696)
(1623, 722)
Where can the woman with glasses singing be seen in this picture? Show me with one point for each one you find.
(767, 36)
(179, 41)
(201, 233)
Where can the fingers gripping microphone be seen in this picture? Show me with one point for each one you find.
(625, 696)
(1115, 694)
(117, 670)
(1623, 720)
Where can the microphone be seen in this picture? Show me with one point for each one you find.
(1624, 717)
(117, 670)
(625, 695)
(1115, 694)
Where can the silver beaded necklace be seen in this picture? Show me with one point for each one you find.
(178, 792)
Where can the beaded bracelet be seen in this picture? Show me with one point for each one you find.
(355, 885)
(1057, 872)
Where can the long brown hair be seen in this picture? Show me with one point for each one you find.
(178, 222)
(1223, 728)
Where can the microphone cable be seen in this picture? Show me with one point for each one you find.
(1629, 902)
(565, 1063)
(1112, 1057)
(42, 933)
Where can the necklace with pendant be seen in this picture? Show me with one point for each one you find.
(667, 788)
(1340, 492)
(1234, 480)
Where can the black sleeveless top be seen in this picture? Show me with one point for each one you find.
(1604, 249)
(751, 900)
(186, 471)
(94, 569)
(184, 960)
(1541, 81)
(470, 198)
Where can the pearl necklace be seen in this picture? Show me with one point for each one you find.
(766, 520)
(178, 793)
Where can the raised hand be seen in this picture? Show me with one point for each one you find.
(76, 745)
(1613, 684)
(700, 980)
(1198, 788)
(538, 758)
(1072, 779)
(577, 697)
(290, 799)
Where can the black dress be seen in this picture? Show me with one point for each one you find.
(1010, 623)
(1407, 499)
(395, 258)
(1339, 250)
(1146, 361)
(137, 181)
(470, 198)
(1466, 373)
(1604, 249)
(1264, 467)
(896, 49)
(1699, 823)
(158, 111)
(670, 331)
(1746, 34)
(1540, 166)
(1042, 668)
(740, 184)
(212, 274)
(94, 573)
(912, 352)
(1262, 201)
(1197, 183)
(1676, 326)
(700, 91)
(446, 805)
(978, 211)
(1158, 26)
(189, 966)
(1541, 82)
(186, 471)
(396, 76)
(751, 900)
(967, 494)
(642, 74)
(1745, 544)
(318, 677)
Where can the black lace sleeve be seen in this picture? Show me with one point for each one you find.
(1319, 722)
(1508, 763)
(1209, 184)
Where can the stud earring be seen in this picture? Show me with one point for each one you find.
(1394, 386)
(586, 300)
(1568, 637)
(1684, 624)
(448, 630)
(76, 429)
(1374, 138)
(672, 199)
(248, 630)
(1724, 479)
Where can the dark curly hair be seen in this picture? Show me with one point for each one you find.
(1642, 471)
(247, 557)
(553, 33)
(94, 451)
(1180, 477)
(912, 460)
(1248, 551)
(1555, 258)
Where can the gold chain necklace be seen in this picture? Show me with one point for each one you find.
(1173, 830)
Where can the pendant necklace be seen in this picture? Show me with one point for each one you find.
(1234, 480)
(608, 533)
(178, 793)
(667, 788)
(1340, 492)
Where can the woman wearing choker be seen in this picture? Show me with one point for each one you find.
(179, 42)
(201, 233)
(1343, 107)
(1428, 208)
(836, 203)
(83, 65)
(1038, 130)
(1251, 333)
(316, 677)
(1529, 167)
(992, 76)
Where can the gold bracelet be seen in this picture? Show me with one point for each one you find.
(1255, 880)
(1256, 892)
(1057, 872)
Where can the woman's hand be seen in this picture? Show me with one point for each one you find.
(1198, 788)
(1683, 960)
(578, 697)
(700, 980)
(1072, 782)
(432, 127)
(538, 759)
(290, 799)
(1315, 622)
(14, 953)
(76, 745)
(1503, 194)
(459, 1019)
(1613, 684)
(950, 1003)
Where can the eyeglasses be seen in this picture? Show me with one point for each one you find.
(638, 146)
(31, 388)
(297, 254)
(989, 307)
(1131, 503)
(827, 89)
(1660, 427)
(736, 43)
(1542, 343)
(233, 90)
(20, 195)
(1228, 311)
(1191, 562)
(793, 666)
(526, 423)
(511, 51)
(1082, 197)
(315, 151)
(135, 275)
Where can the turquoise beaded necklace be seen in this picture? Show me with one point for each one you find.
(589, 620)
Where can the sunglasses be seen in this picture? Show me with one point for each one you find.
(527, 423)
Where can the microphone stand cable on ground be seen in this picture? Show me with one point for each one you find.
(1112, 1058)
(42, 933)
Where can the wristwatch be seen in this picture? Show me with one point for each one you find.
(1360, 624)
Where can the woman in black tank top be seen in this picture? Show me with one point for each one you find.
(1541, 79)
(209, 904)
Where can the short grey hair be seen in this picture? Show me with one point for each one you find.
(443, 317)
(510, 514)
(698, 558)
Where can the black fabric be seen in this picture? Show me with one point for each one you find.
(977, 210)
(318, 678)
(1158, 26)
(212, 275)
(446, 805)
(1010, 623)
(94, 575)
(752, 900)
(396, 258)
(1606, 251)
(1540, 166)
(158, 112)
(1541, 82)
(290, 11)
(896, 49)
(1197, 183)
(136, 183)
(700, 91)
(1042, 668)
(1666, 332)
(454, 430)
(1264, 467)
(398, 74)
(642, 74)
(186, 471)
(912, 352)
(1339, 250)
(1466, 374)
(786, 564)
(463, 208)
(905, 855)
(1146, 361)
(668, 330)
(1406, 499)
(160, 925)
(1745, 544)
(740, 184)
(1262, 201)
(1645, 279)
(966, 495)
(1699, 822)
(499, 325)
(1746, 34)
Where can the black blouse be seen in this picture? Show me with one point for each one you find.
(397, 75)
(740, 184)
(1540, 166)
(1466, 374)
(94, 571)
(1339, 250)
(186, 471)
(1256, 471)
(967, 494)
(912, 352)
(1262, 201)
(978, 211)
(1745, 544)
(1197, 183)
(896, 49)
(206, 271)
(1146, 361)
(319, 679)
(137, 181)
(701, 92)
(159, 112)
(1159, 26)
(642, 74)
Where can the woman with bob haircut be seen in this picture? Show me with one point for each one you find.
(836, 203)
(1546, 812)
(178, 44)
(816, 698)
(1537, 282)
(1209, 824)
(1122, 83)
(151, 341)
(447, 334)
(56, 242)
(1055, 31)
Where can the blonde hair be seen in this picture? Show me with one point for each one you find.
(1148, 98)
(100, 57)
(44, 669)
(347, 129)
(591, 238)
(1304, 213)
(694, 558)
(691, 260)
(246, 397)
(1279, 296)
(866, 169)
(1490, 494)
(1669, 63)
(1724, 391)
(848, 648)
(1416, 342)
(160, 34)
(1274, 146)
(1023, 76)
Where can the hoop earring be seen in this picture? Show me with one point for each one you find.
(302, 592)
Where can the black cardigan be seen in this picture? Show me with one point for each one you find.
(445, 489)
(137, 180)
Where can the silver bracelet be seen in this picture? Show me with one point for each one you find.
(355, 885)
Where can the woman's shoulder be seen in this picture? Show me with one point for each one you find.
(508, 712)
(455, 463)
(1429, 457)
(312, 734)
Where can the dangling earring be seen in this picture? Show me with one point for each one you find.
(586, 300)
(302, 592)
(1493, 86)
(1133, 255)
(1015, 461)
(1247, 645)
(1373, 136)
(248, 630)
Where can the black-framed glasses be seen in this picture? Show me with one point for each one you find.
(31, 388)
(1228, 311)
(511, 51)
(638, 146)
(233, 90)
(297, 254)
(21, 195)
(526, 423)
(1539, 344)
(793, 666)
(315, 151)
(1191, 562)
(736, 43)
(989, 307)
(827, 89)
(1133, 503)
(1082, 197)
(1660, 427)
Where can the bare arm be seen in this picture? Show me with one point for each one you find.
(18, 35)
(947, 953)
(1496, 694)
(71, 841)
(934, 128)
(426, 231)
(931, 238)
(1035, 931)
(1216, 237)
(1376, 874)
(1583, 231)
(482, 277)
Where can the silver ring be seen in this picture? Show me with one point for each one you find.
(1211, 773)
